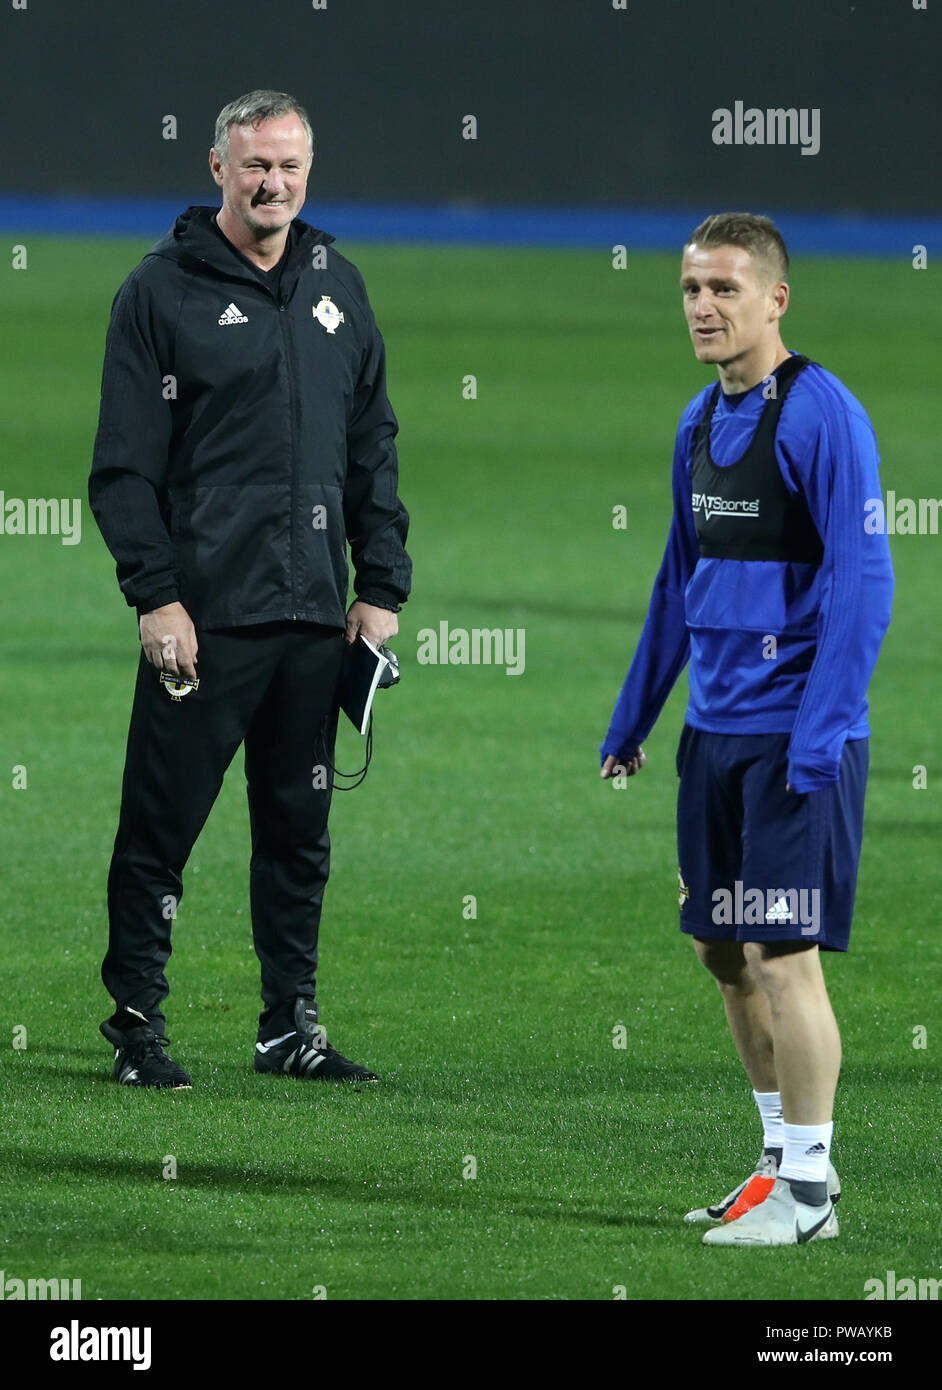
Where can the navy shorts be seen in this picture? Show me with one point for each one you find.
(757, 862)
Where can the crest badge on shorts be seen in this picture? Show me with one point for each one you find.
(327, 313)
(683, 892)
(177, 686)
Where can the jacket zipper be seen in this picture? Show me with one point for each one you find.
(282, 308)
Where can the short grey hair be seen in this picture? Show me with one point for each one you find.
(252, 109)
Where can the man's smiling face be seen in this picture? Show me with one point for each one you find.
(730, 304)
(264, 182)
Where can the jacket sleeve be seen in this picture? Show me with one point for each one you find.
(856, 596)
(664, 648)
(129, 465)
(376, 521)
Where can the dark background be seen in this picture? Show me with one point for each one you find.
(576, 103)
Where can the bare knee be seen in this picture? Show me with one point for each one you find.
(725, 961)
(780, 965)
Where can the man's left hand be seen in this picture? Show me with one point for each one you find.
(376, 624)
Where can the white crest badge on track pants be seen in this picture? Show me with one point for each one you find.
(327, 313)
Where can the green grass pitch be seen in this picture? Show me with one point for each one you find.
(494, 1036)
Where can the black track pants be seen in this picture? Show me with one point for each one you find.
(273, 686)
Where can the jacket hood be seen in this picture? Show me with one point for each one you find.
(194, 239)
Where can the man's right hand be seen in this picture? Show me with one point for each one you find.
(169, 640)
(612, 765)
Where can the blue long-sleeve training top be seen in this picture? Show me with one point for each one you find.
(828, 621)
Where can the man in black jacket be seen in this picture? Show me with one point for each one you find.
(245, 437)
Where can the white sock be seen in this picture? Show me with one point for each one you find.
(807, 1151)
(770, 1109)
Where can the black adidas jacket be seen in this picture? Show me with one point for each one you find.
(245, 434)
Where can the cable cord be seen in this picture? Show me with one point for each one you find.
(360, 775)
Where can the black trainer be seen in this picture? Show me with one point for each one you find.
(306, 1053)
(140, 1057)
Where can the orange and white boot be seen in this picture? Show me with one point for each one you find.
(753, 1191)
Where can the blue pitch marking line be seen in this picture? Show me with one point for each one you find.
(638, 229)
